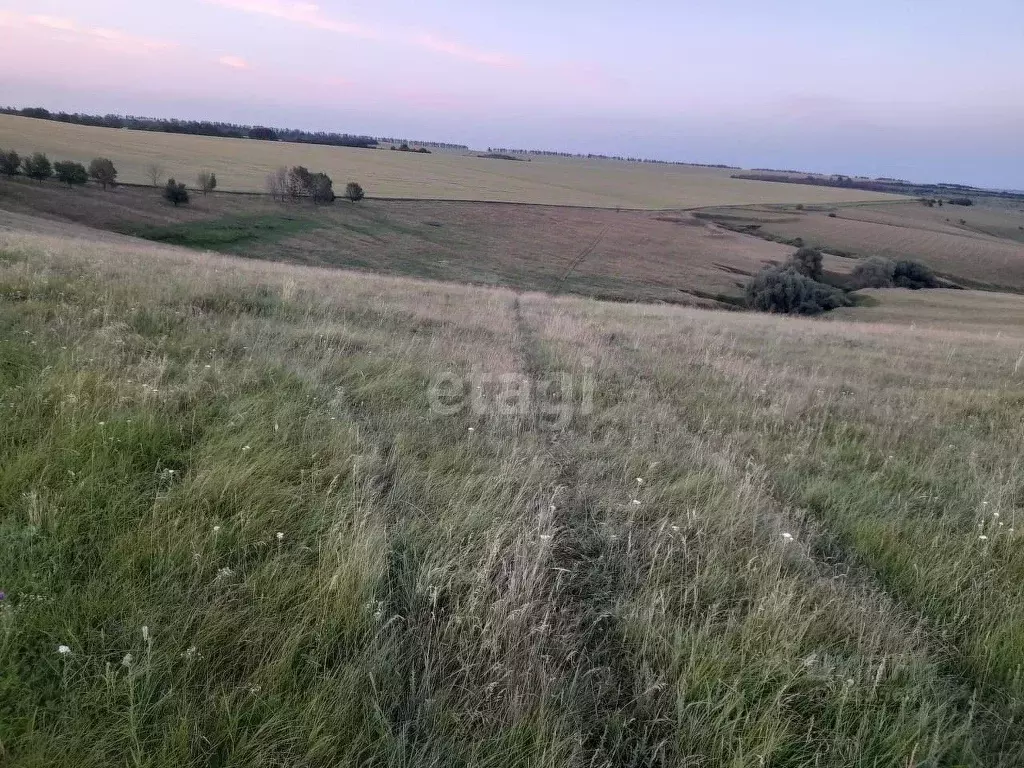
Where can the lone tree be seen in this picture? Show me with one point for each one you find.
(277, 184)
(206, 181)
(155, 173)
(299, 182)
(71, 173)
(175, 193)
(103, 171)
(37, 167)
(322, 188)
(10, 162)
(354, 192)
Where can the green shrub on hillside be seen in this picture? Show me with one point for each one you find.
(808, 262)
(10, 163)
(877, 272)
(103, 171)
(913, 275)
(175, 193)
(785, 290)
(37, 167)
(874, 272)
(70, 172)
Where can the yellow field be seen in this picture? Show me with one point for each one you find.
(242, 165)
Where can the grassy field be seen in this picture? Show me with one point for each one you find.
(636, 255)
(243, 165)
(257, 514)
(980, 246)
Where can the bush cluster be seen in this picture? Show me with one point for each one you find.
(299, 182)
(877, 272)
(175, 192)
(785, 289)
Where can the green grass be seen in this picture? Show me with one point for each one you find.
(228, 234)
(223, 488)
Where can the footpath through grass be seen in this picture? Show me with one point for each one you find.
(253, 514)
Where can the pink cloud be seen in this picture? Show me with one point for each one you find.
(112, 40)
(307, 14)
(490, 58)
(233, 62)
(310, 15)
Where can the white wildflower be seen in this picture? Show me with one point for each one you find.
(983, 537)
(216, 529)
(787, 536)
(225, 573)
(545, 537)
(247, 449)
(191, 652)
(145, 633)
(636, 502)
(280, 536)
(63, 650)
(128, 660)
(471, 430)
(639, 481)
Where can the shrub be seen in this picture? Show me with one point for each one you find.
(961, 201)
(103, 171)
(354, 192)
(807, 261)
(785, 290)
(10, 163)
(70, 172)
(874, 272)
(37, 167)
(322, 188)
(913, 275)
(175, 193)
(877, 272)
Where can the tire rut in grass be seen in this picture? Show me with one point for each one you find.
(587, 580)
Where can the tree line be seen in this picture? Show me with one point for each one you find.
(594, 156)
(284, 184)
(38, 167)
(197, 128)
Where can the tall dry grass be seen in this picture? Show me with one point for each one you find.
(224, 493)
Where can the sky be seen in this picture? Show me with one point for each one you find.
(930, 90)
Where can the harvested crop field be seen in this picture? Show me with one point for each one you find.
(242, 165)
(972, 253)
(634, 255)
